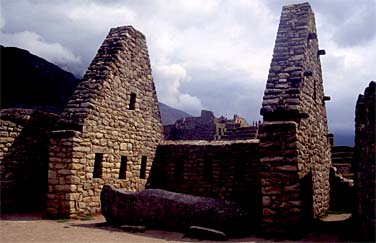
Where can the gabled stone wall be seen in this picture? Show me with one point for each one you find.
(295, 123)
(109, 130)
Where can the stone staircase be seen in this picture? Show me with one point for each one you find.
(342, 192)
(343, 160)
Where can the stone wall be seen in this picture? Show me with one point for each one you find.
(109, 130)
(365, 162)
(295, 116)
(24, 138)
(217, 169)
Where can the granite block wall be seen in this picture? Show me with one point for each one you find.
(109, 131)
(218, 169)
(365, 163)
(24, 138)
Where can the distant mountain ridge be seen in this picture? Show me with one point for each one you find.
(32, 82)
(170, 115)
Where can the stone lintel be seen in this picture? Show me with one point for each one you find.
(64, 133)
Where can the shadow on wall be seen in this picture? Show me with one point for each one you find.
(24, 164)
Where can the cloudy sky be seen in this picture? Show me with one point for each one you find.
(205, 54)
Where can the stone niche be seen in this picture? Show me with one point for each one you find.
(109, 131)
(294, 149)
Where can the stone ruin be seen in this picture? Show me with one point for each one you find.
(365, 155)
(111, 133)
(294, 148)
(208, 127)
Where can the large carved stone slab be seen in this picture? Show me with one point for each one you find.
(158, 208)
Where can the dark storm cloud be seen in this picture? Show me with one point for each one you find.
(209, 54)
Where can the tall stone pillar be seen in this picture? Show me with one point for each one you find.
(294, 149)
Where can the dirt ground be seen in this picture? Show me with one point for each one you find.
(32, 228)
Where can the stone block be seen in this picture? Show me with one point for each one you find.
(156, 208)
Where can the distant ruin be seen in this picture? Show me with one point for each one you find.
(208, 127)
(280, 171)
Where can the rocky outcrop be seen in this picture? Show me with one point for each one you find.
(157, 208)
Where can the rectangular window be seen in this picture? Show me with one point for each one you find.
(314, 90)
(208, 170)
(143, 167)
(97, 173)
(179, 170)
(132, 102)
(239, 170)
(123, 167)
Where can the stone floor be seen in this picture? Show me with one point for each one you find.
(32, 228)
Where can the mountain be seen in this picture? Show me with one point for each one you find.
(169, 115)
(30, 81)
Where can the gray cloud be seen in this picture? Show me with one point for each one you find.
(205, 54)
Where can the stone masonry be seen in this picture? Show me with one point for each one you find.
(294, 149)
(365, 172)
(217, 169)
(109, 131)
(24, 141)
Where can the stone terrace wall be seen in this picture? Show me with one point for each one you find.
(217, 169)
(294, 110)
(24, 139)
(116, 128)
(365, 164)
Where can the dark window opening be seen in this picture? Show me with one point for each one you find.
(208, 170)
(123, 167)
(97, 173)
(132, 102)
(179, 171)
(239, 170)
(314, 90)
(143, 167)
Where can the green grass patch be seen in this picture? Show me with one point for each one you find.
(62, 220)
